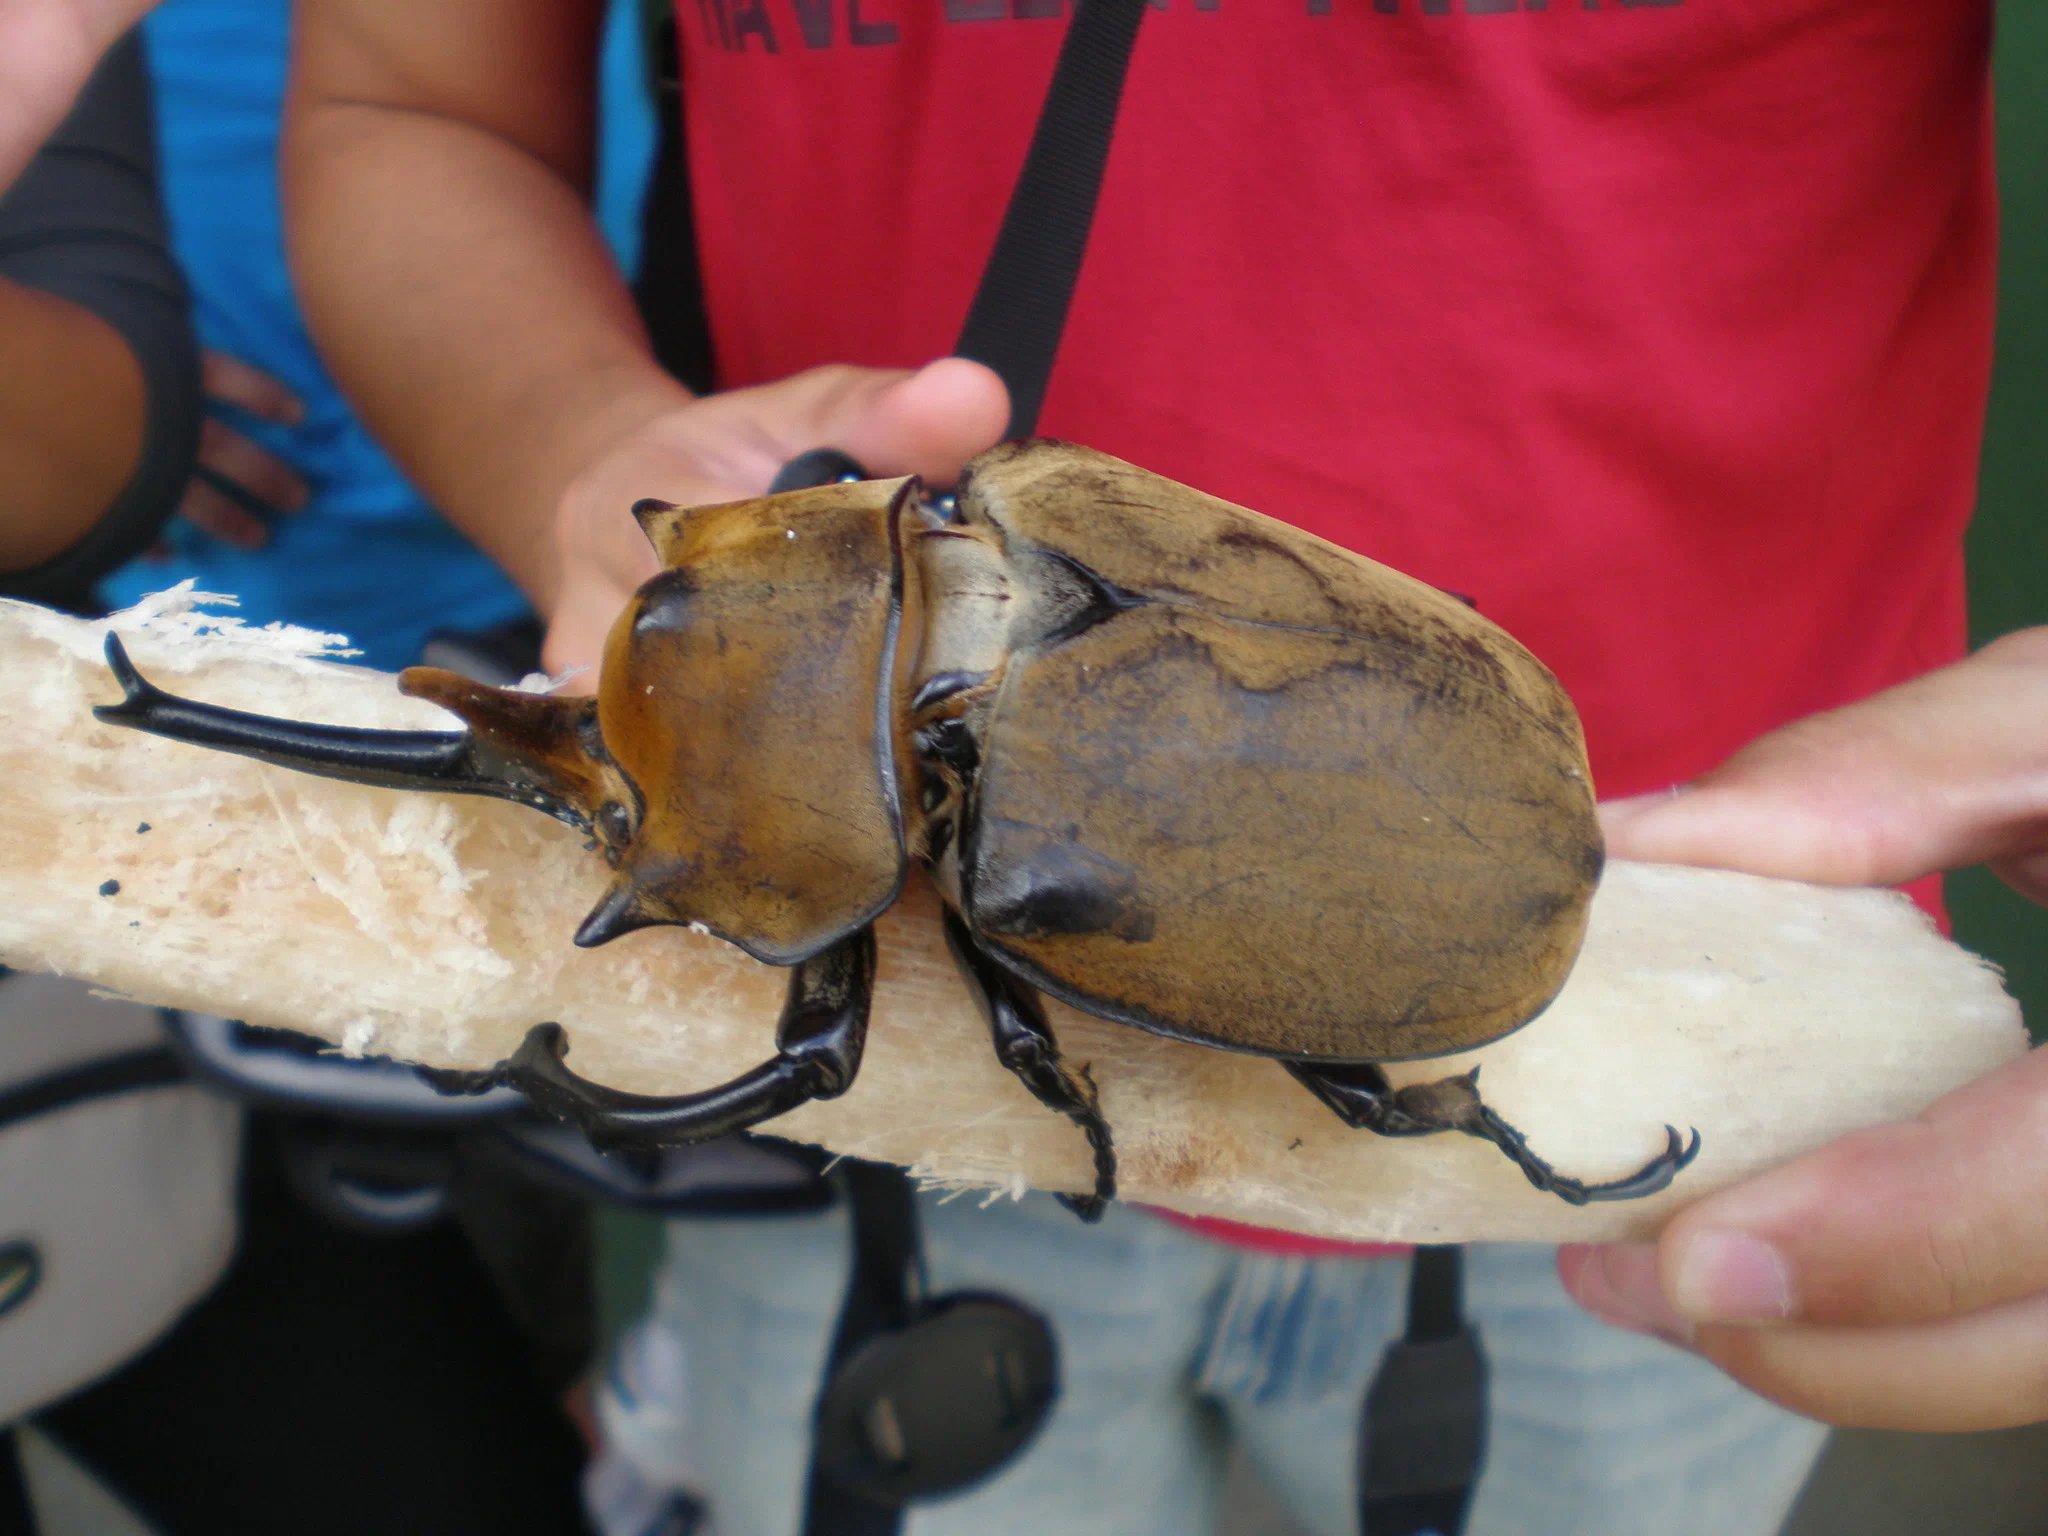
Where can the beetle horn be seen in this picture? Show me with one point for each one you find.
(620, 912)
(662, 522)
(665, 523)
(521, 747)
(531, 747)
(647, 511)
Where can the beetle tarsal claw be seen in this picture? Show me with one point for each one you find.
(1101, 1142)
(1073, 1093)
(1361, 1097)
(1653, 1176)
(1088, 1207)
(461, 1080)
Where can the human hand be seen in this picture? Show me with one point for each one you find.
(1897, 1277)
(232, 472)
(48, 49)
(728, 446)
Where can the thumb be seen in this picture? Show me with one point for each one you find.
(1948, 770)
(928, 423)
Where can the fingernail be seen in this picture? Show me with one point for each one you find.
(1618, 1283)
(1731, 1277)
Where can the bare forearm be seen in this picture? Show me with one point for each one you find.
(451, 273)
(71, 423)
(99, 388)
(463, 299)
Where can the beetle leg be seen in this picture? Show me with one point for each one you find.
(1024, 1043)
(1362, 1098)
(824, 1025)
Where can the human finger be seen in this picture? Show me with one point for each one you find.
(573, 647)
(1983, 1370)
(1945, 771)
(1986, 1369)
(928, 423)
(231, 381)
(209, 510)
(2026, 873)
(1931, 1218)
(227, 456)
(724, 447)
(1938, 1215)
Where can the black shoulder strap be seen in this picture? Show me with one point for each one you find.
(1020, 308)
(883, 1216)
(17, 1509)
(1423, 1437)
(669, 285)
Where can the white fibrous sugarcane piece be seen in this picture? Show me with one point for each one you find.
(434, 928)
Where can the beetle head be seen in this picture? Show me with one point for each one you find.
(745, 703)
(540, 750)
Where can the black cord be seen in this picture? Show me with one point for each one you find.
(1422, 1437)
(149, 1067)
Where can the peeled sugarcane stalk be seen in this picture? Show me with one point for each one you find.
(1770, 1015)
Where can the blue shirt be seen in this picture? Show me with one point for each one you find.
(367, 556)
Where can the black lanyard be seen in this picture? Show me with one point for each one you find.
(1423, 1435)
(1020, 306)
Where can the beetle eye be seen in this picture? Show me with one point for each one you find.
(614, 823)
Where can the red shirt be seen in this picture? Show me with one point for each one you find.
(1660, 327)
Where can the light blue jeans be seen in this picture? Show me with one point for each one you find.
(1171, 1347)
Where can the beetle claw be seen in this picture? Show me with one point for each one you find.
(1362, 1098)
(1088, 1207)
(455, 1081)
(1653, 1176)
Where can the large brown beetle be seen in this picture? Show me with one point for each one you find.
(1175, 763)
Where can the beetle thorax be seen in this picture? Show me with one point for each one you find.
(967, 612)
(743, 697)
